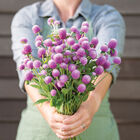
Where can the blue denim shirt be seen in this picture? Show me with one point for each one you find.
(105, 20)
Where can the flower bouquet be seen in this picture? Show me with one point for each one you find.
(67, 66)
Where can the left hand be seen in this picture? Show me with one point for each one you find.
(81, 120)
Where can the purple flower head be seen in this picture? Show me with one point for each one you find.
(93, 54)
(99, 70)
(70, 41)
(36, 29)
(75, 46)
(28, 76)
(101, 60)
(73, 29)
(38, 43)
(59, 42)
(113, 52)
(36, 64)
(81, 88)
(112, 44)
(117, 60)
(47, 43)
(106, 64)
(51, 20)
(58, 49)
(75, 58)
(84, 29)
(80, 52)
(66, 60)
(25, 61)
(43, 72)
(82, 39)
(52, 64)
(63, 65)
(48, 79)
(93, 73)
(63, 78)
(72, 67)
(23, 40)
(30, 64)
(75, 74)
(56, 22)
(94, 41)
(62, 33)
(67, 53)
(39, 37)
(83, 60)
(27, 49)
(55, 73)
(45, 66)
(60, 84)
(53, 92)
(104, 48)
(85, 45)
(58, 58)
(41, 52)
(85, 23)
(63, 46)
(78, 35)
(86, 79)
(21, 67)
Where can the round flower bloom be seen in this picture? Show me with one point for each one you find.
(84, 29)
(45, 66)
(101, 60)
(53, 92)
(94, 41)
(72, 67)
(27, 49)
(104, 48)
(63, 46)
(62, 33)
(48, 79)
(55, 73)
(38, 43)
(56, 22)
(67, 53)
(52, 64)
(81, 88)
(82, 39)
(39, 37)
(29, 76)
(63, 65)
(36, 64)
(21, 67)
(93, 54)
(30, 64)
(66, 60)
(112, 44)
(117, 60)
(59, 42)
(113, 52)
(73, 29)
(50, 20)
(47, 43)
(41, 52)
(106, 64)
(81, 52)
(86, 79)
(75, 46)
(63, 78)
(25, 61)
(93, 73)
(75, 74)
(75, 58)
(78, 35)
(58, 49)
(85, 23)
(23, 40)
(60, 84)
(85, 45)
(36, 29)
(58, 58)
(83, 60)
(70, 41)
(99, 70)
(43, 72)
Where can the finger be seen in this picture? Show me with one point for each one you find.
(59, 117)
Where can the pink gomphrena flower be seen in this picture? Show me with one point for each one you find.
(55, 73)
(73, 29)
(52, 64)
(86, 79)
(85, 23)
(25, 61)
(23, 40)
(82, 39)
(30, 64)
(28, 76)
(60, 84)
(63, 65)
(81, 52)
(76, 46)
(45, 66)
(36, 64)
(36, 29)
(84, 29)
(81, 88)
(41, 52)
(67, 53)
(117, 60)
(66, 60)
(56, 22)
(75, 74)
(78, 35)
(62, 33)
(112, 44)
(59, 42)
(72, 67)
(93, 73)
(43, 72)
(58, 58)
(106, 64)
(58, 49)
(48, 79)
(48, 43)
(27, 49)
(101, 60)
(51, 21)
(104, 48)
(53, 92)
(63, 78)
(99, 70)
(38, 43)
(75, 58)
(113, 52)
(21, 67)
(83, 61)
(63, 46)
(70, 41)
(94, 42)
(85, 45)
(39, 37)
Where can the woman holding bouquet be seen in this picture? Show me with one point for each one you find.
(93, 120)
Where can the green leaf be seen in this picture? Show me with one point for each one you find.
(35, 86)
(40, 101)
(85, 97)
(65, 90)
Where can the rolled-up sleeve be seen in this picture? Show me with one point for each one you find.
(111, 25)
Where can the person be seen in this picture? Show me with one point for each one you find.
(94, 119)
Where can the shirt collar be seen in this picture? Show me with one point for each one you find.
(48, 9)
